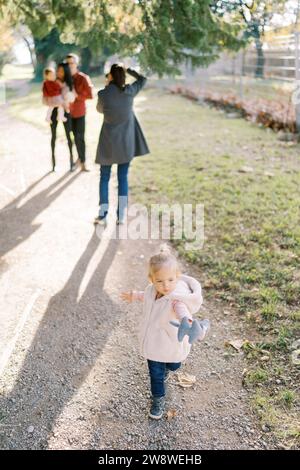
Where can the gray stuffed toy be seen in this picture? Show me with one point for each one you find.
(195, 330)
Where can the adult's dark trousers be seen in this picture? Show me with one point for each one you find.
(78, 129)
(68, 127)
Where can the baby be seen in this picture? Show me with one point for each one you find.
(169, 298)
(52, 90)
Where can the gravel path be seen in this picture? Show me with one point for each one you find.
(74, 379)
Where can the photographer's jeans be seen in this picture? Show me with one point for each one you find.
(105, 172)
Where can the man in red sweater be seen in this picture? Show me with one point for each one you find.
(84, 90)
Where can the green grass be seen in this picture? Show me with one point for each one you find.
(287, 398)
(264, 408)
(257, 376)
(252, 246)
(278, 414)
(250, 259)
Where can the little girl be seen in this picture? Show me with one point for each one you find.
(56, 95)
(170, 296)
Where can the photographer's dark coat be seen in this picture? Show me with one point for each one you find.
(121, 137)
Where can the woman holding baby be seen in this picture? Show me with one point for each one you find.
(58, 93)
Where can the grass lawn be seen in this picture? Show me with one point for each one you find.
(249, 183)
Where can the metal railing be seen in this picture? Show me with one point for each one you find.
(279, 58)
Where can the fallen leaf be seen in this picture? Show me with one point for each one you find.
(265, 358)
(296, 357)
(171, 414)
(296, 344)
(246, 169)
(150, 189)
(185, 380)
(236, 343)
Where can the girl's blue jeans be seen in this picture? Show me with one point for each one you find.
(105, 171)
(157, 371)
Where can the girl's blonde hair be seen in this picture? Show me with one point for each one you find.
(163, 258)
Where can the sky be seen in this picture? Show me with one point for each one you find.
(21, 53)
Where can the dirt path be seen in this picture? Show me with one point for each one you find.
(70, 373)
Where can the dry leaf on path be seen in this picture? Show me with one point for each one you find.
(237, 343)
(185, 380)
(246, 169)
(296, 357)
(171, 414)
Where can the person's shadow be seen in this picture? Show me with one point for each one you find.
(66, 345)
(16, 223)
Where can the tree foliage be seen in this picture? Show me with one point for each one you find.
(255, 16)
(6, 42)
(160, 33)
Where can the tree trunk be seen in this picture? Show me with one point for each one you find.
(100, 67)
(86, 59)
(46, 48)
(33, 61)
(40, 59)
(41, 62)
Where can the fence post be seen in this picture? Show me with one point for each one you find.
(297, 104)
(241, 71)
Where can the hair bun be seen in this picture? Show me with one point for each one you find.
(164, 256)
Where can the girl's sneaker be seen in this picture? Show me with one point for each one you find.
(157, 407)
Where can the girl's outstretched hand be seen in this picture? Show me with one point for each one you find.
(127, 296)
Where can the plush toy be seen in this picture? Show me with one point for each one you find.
(194, 329)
